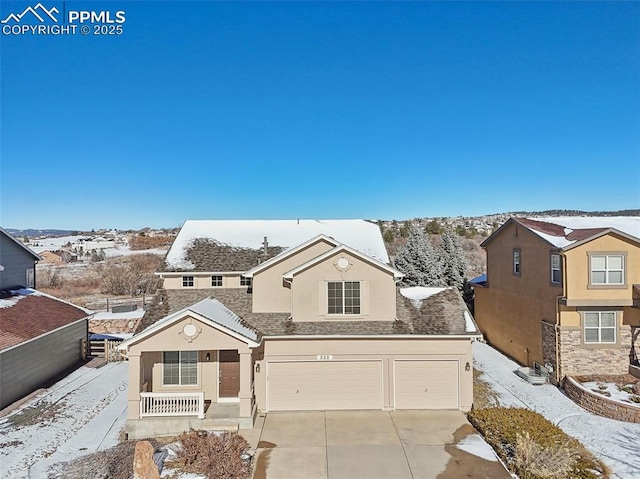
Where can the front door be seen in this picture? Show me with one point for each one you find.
(229, 375)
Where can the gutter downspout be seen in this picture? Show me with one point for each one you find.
(557, 325)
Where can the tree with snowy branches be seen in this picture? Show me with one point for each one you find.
(419, 261)
(454, 262)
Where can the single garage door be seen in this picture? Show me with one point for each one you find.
(426, 384)
(322, 385)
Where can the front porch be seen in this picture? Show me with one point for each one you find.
(217, 417)
(192, 370)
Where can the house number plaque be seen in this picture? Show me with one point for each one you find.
(324, 357)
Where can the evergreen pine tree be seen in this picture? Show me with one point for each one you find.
(453, 260)
(418, 260)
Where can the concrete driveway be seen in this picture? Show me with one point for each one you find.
(372, 445)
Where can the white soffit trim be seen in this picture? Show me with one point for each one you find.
(290, 252)
(290, 274)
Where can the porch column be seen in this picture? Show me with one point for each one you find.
(133, 392)
(245, 393)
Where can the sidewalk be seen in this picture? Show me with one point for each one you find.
(614, 442)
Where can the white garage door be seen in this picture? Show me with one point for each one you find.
(426, 384)
(323, 385)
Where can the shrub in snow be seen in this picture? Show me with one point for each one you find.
(527, 443)
(216, 456)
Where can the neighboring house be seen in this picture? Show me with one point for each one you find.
(18, 263)
(563, 292)
(40, 336)
(51, 257)
(262, 316)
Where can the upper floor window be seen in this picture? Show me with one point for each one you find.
(244, 281)
(599, 327)
(187, 282)
(556, 276)
(516, 261)
(180, 368)
(343, 297)
(606, 269)
(216, 280)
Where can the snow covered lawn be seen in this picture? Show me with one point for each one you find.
(80, 414)
(614, 442)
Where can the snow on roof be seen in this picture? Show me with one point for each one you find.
(469, 325)
(105, 315)
(571, 226)
(417, 293)
(358, 234)
(211, 310)
(217, 312)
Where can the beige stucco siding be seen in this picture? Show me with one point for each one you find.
(510, 310)
(377, 290)
(270, 293)
(385, 350)
(578, 287)
(201, 281)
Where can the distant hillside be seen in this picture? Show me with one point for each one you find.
(35, 232)
(575, 213)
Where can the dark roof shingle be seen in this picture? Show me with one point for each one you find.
(440, 314)
(33, 315)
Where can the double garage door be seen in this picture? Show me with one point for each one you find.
(360, 384)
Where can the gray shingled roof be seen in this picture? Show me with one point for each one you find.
(440, 314)
(207, 254)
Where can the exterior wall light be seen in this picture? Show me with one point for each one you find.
(258, 367)
(467, 367)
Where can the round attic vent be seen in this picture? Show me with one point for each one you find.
(343, 263)
(189, 330)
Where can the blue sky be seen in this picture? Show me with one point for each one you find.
(320, 110)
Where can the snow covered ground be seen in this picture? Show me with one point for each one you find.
(80, 414)
(614, 442)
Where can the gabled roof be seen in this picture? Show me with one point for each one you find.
(20, 243)
(283, 234)
(290, 252)
(28, 313)
(566, 233)
(342, 248)
(209, 311)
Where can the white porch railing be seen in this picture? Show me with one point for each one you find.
(172, 404)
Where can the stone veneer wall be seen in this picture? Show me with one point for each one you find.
(599, 404)
(579, 360)
(549, 347)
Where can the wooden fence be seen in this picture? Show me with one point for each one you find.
(106, 348)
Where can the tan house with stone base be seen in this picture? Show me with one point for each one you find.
(262, 316)
(563, 292)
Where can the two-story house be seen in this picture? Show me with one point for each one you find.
(261, 316)
(563, 292)
(40, 336)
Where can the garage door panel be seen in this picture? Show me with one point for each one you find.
(324, 385)
(429, 384)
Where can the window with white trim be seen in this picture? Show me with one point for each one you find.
(180, 368)
(606, 269)
(599, 327)
(343, 297)
(516, 261)
(187, 282)
(556, 276)
(216, 280)
(244, 281)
